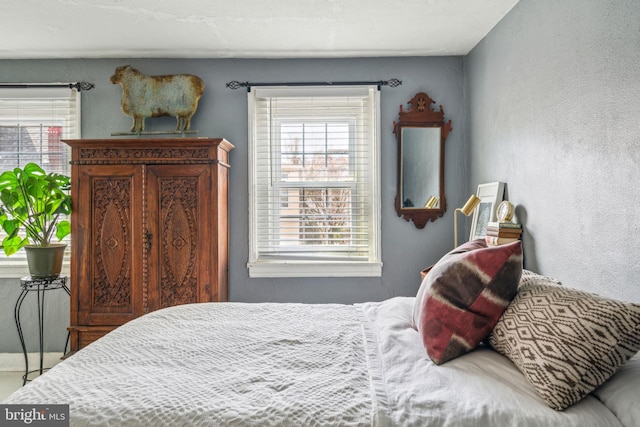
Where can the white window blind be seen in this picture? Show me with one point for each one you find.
(314, 181)
(33, 123)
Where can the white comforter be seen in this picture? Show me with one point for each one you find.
(290, 365)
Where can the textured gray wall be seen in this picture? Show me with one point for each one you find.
(223, 113)
(554, 111)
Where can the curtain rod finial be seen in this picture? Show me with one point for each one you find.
(237, 85)
(80, 86)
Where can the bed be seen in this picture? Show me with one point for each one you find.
(293, 364)
(270, 364)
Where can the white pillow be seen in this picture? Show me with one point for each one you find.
(621, 394)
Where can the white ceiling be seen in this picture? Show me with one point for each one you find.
(245, 28)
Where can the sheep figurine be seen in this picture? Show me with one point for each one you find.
(154, 96)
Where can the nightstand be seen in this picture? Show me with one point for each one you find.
(424, 272)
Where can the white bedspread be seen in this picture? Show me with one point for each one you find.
(218, 364)
(291, 365)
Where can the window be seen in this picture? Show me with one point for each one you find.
(33, 123)
(314, 182)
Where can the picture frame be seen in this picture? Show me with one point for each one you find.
(490, 195)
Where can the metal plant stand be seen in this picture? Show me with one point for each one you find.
(40, 286)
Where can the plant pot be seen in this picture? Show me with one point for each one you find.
(45, 262)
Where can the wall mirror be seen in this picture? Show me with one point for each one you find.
(421, 133)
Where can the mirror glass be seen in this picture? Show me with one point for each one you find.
(420, 165)
(421, 133)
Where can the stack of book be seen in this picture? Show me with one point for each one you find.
(502, 232)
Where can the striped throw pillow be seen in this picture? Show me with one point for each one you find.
(463, 296)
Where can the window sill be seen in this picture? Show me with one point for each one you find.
(17, 270)
(314, 269)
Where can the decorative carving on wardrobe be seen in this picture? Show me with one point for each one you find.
(149, 228)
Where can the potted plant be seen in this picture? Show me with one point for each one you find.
(33, 209)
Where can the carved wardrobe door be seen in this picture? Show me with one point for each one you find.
(178, 235)
(110, 259)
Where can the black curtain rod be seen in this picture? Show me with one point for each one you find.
(79, 86)
(391, 83)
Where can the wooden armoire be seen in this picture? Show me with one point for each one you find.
(149, 228)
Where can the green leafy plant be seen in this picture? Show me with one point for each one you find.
(35, 201)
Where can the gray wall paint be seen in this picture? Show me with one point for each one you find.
(223, 113)
(553, 92)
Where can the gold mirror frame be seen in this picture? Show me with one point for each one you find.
(420, 115)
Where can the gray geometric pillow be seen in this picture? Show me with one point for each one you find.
(566, 342)
(529, 277)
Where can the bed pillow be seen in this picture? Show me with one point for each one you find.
(463, 296)
(566, 342)
(620, 392)
(529, 277)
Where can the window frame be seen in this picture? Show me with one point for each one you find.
(15, 266)
(300, 263)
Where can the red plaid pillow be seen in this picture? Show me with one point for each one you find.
(463, 296)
